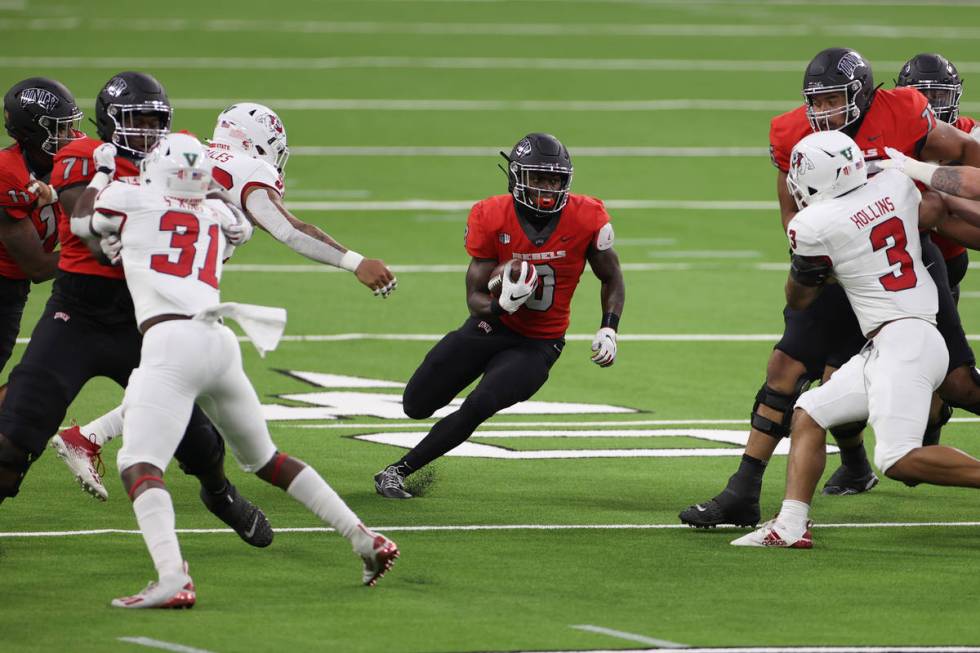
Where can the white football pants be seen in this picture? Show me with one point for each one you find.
(183, 362)
(890, 384)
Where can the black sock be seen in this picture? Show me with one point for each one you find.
(746, 483)
(855, 458)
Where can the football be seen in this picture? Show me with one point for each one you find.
(497, 277)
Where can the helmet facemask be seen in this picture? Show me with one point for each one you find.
(61, 131)
(824, 120)
(538, 197)
(943, 98)
(129, 135)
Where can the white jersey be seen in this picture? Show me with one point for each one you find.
(237, 173)
(871, 237)
(171, 250)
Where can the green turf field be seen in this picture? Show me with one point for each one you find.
(395, 111)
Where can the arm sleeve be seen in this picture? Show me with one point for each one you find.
(268, 215)
(810, 262)
(478, 243)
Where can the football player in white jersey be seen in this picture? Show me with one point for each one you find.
(173, 242)
(246, 157)
(864, 233)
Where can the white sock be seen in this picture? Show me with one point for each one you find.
(312, 491)
(105, 428)
(794, 515)
(155, 515)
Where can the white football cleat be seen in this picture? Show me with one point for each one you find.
(774, 534)
(84, 458)
(175, 592)
(379, 558)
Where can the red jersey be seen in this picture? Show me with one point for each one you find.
(21, 204)
(73, 165)
(493, 231)
(898, 118)
(950, 248)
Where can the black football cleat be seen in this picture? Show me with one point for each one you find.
(734, 511)
(242, 515)
(389, 483)
(844, 482)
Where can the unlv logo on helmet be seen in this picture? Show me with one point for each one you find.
(849, 63)
(116, 87)
(523, 148)
(43, 98)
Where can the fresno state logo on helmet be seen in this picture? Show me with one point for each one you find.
(800, 163)
(271, 122)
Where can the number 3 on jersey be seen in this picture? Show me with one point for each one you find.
(186, 228)
(905, 277)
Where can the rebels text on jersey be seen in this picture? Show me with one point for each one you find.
(493, 231)
(171, 249)
(238, 173)
(871, 236)
(73, 166)
(900, 118)
(21, 204)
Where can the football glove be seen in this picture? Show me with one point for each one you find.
(46, 194)
(112, 248)
(104, 157)
(513, 294)
(917, 170)
(239, 232)
(604, 347)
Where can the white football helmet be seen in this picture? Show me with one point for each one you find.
(825, 165)
(177, 167)
(254, 129)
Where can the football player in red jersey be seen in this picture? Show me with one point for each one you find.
(839, 94)
(41, 116)
(88, 327)
(513, 340)
(936, 77)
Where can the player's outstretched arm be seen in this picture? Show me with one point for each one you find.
(961, 181)
(948, 143)
(20, 239)
(265, 208)
(605, 266)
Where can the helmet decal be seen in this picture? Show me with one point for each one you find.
(523, 148)
(116, 87)
(43, 98)
(849, 63)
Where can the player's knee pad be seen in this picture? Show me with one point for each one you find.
(202, 449)
(14, 463)
(848, 431)
(780, 402)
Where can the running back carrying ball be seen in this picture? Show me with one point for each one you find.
(516, 272)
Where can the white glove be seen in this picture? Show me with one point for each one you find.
(112, 248)
(604, 347)
(46, 194)
(513, 294)
(238, 233)
(911, 167)
(104, 157)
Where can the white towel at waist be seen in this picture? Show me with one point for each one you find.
(263, 325)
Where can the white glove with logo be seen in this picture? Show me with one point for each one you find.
(112, 248)
(104, 157)
(513, 294)
(911, 167)
(604, 347)
(239, 232)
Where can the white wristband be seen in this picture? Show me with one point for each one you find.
(350, 260)
(100, 181)
(920, 171)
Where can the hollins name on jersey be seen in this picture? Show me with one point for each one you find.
(872, 212)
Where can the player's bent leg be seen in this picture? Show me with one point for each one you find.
(451, 365)
(961, 388)
(772, 413)
(936, 465)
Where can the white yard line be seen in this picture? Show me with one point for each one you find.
(632, 637)
(466, 205)
(478, 527)
(493, 151)
(166, 646)
(781, 649)
(538, 30)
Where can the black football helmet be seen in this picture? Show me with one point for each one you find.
(936, 78)
(538, 153)
(41, 113)
(838, 70)
(121, 106)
